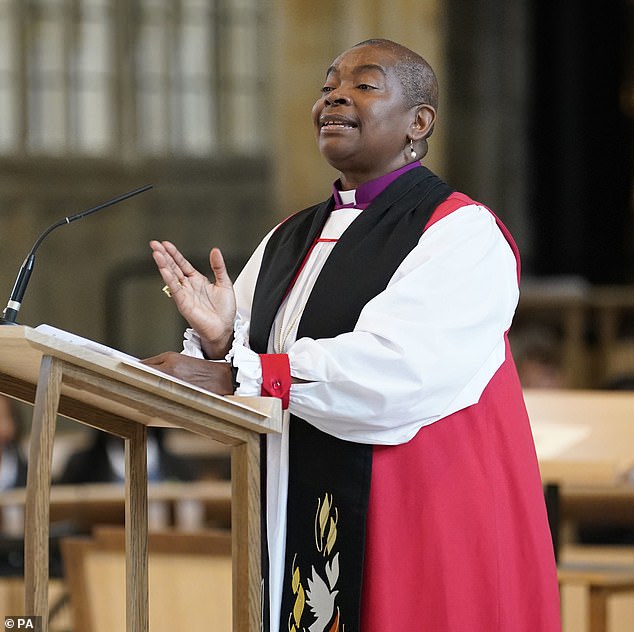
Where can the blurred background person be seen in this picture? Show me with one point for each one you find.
(12, 459)
(103, 461)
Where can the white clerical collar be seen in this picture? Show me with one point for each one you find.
(348, 197)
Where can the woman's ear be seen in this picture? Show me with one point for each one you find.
(423, 124)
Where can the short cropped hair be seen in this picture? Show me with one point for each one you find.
(417, 77)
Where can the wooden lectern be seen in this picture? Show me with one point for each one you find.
(102, 391)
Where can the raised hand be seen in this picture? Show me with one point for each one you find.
(208, 307)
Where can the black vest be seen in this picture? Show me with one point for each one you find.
(329, 479)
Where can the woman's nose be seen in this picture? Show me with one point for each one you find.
(337, 97)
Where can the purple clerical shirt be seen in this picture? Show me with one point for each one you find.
(366, 192)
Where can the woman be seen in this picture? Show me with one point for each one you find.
(404, 492)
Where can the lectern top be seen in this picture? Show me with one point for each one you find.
(120, 385)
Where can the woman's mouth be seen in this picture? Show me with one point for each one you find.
(333, 123)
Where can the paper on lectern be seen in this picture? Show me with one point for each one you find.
(124, 358)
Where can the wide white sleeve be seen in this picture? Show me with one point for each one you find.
(423, 348)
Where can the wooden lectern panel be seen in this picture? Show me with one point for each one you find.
(123, 397)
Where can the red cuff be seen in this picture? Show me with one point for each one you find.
(276, 376)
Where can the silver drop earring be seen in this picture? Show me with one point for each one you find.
(412, 151)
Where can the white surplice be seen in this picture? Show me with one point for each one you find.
(422, 349)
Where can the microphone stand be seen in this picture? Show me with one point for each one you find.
(10, 312)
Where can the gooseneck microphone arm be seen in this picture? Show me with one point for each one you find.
(10, 312)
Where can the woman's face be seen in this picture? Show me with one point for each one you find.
(361, 120)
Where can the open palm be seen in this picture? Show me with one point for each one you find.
(208, 307)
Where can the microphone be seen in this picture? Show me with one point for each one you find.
(19, 287)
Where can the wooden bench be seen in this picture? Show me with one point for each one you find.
(189, 579)
(601, 583)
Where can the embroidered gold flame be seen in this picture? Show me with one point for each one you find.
(300, 599)
(326, 518)
(325, 525)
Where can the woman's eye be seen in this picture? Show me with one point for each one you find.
(364, 86)
(326, 89)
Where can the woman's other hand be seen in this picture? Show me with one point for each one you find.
(212, 376)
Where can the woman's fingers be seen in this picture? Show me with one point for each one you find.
(171, 279)
(178, 260)
(175, 269)
(219, 268)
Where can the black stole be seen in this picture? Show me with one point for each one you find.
(329, 479)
